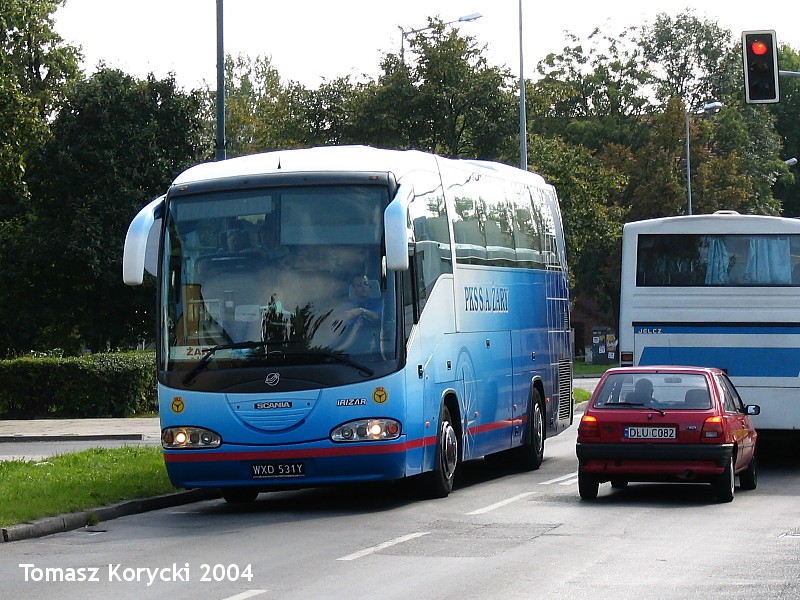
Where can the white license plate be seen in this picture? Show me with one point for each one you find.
(650, 433)
(277, 469)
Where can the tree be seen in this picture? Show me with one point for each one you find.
(253, 94)
(686, 57)
(787, 125)
(593, 225)
(117, 142)
(446, 99)
(34, 53)
(20, 128)
(592, 94)
(35, 66)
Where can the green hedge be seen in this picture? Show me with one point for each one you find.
(96, 385)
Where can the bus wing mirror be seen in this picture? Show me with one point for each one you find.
(396, 230)
(141, 243)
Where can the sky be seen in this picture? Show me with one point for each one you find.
(312, 41)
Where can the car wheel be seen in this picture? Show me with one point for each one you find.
(619, 483)
(748, 479)
(439, 482)
(239, 495)
(587, 486)
(724, 484)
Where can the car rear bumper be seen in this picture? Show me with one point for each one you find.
(720, 453)
(685, 461)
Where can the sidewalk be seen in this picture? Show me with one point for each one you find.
(41, 431)
(62, 430)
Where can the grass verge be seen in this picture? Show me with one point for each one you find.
(580, 395)
(581, 368)
(79, 481)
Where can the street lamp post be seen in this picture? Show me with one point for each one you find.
(711, 107)
(404, 34)
(523, 129)
(220, 149)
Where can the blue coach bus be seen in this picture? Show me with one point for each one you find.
(351, 314)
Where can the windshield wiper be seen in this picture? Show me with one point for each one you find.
(340, 358)
(190, 376)
(211, 351)
(637, 405)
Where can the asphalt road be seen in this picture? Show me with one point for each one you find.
(499, 535)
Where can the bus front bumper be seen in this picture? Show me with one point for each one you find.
(294, 467)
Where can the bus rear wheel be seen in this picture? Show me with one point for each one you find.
(438, 483)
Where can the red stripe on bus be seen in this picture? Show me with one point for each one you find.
(344, 450)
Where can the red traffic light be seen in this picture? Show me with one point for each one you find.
(760, 62)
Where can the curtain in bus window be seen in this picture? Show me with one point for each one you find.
(768, 261)
(718, 262)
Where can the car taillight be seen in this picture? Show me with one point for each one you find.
(588, 427)
(712, 428)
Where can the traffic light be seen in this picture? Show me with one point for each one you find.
(760, 55)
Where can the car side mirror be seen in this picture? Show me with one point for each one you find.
(752, 409)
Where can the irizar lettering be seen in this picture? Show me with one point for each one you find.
(486, 299)
(351, 402)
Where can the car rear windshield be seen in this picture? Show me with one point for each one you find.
(660, 390)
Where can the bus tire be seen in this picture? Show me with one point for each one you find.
(239, 495)
(438, 483)
(529, 456)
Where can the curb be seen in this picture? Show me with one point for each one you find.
(78, 437)
(76, 520)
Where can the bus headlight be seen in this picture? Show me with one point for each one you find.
(367, 430)
(189, 437)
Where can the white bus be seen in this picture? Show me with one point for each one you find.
(720, 290)
(350, 314)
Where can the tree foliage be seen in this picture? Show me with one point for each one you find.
(116, 143)
(34, 53)
(607, 121)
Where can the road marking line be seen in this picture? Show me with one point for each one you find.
(557, 479)
(500, 504)
(572, 481)
(383, 545)
(245, 595)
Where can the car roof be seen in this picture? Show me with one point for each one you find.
(666, 369)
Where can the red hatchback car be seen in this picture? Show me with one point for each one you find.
(666, 423)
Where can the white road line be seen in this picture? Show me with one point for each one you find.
(557, 479)
(245, 595)
(383, 545)
(572, 481)
(500, 504)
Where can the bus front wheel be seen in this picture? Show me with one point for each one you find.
(438, 483)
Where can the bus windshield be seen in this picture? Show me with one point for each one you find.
(296, 273)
